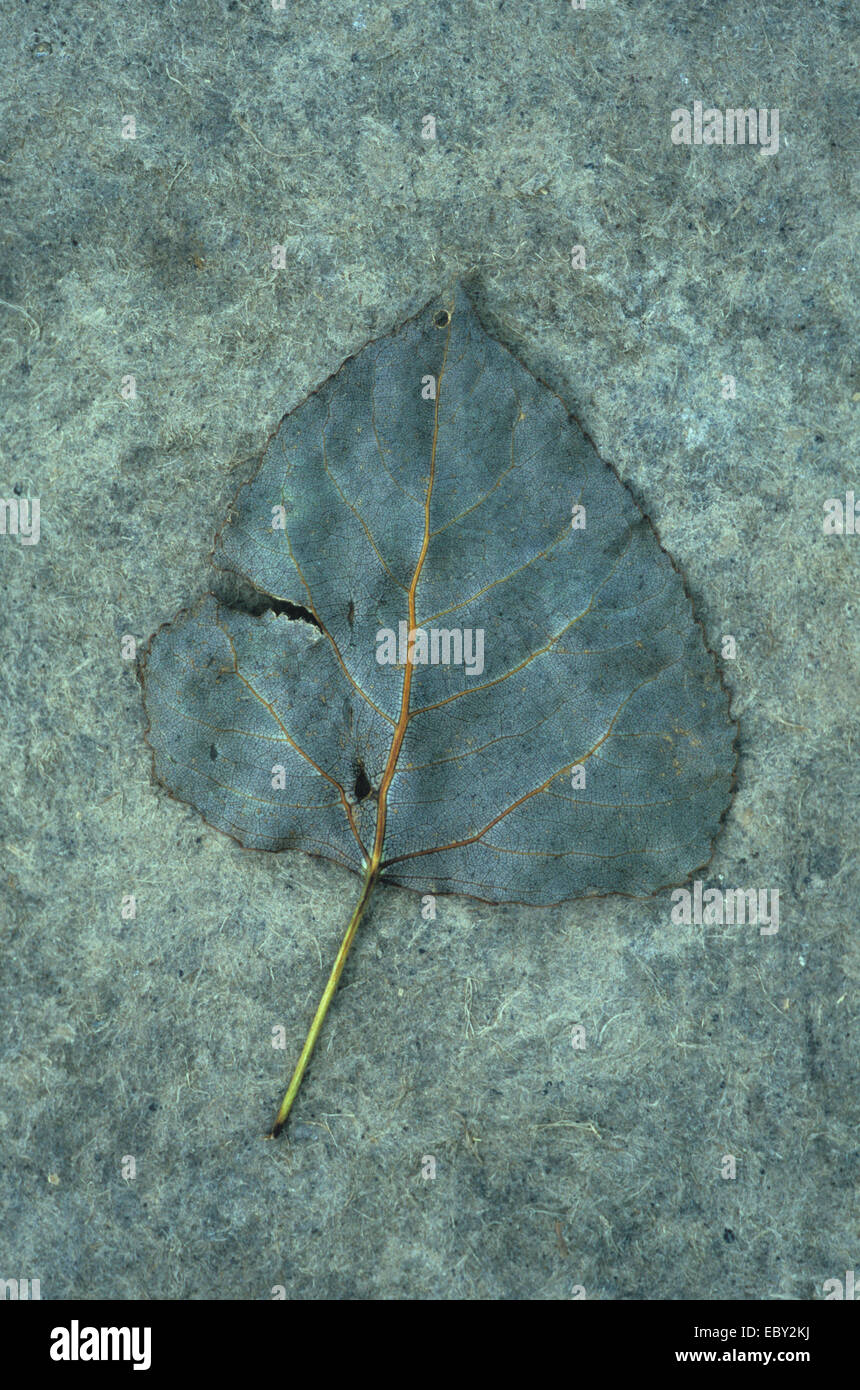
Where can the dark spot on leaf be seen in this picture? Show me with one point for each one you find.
(213, 752)
(350, 613)
(442, 319)
(362, 783)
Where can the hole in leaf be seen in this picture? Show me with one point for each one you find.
(236, 593)
(442, 319)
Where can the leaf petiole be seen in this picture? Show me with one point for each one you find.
(371, 875)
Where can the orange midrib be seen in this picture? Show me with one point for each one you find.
(403, 717)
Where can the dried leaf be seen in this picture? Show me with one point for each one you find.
(482, 673)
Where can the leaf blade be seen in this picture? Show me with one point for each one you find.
(453, 513)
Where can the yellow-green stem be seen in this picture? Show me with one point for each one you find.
(370, 878)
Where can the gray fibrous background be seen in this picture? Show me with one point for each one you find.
(557, 1167)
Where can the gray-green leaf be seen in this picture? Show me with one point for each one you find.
(433, 482)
